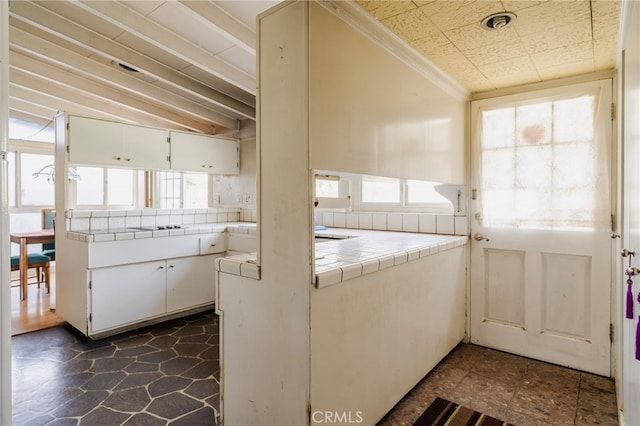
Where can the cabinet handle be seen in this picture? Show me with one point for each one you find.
(213, 245)
(127, 159)
(170, 266)
(161, 267)
(118, 158)
(204, 165)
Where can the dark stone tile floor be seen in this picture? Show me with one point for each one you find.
(168, 374)
(163, 374)
(517, 390)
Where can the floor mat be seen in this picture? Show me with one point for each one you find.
(442, 412)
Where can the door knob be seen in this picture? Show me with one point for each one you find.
(479, 237)
(632, 271)
(625, 252)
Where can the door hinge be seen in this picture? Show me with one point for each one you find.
(168, 139)
(613, 223)
(169, 158)
(474, 194)
(611, 332)
(90, 285)
(613, 111)
(68, 126)
(90, 317)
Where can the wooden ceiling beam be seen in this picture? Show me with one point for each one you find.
(153, 33)
(73, 100)
(61, 27)
(223, 23)
(31, 118)
(50, 51)
(31, 108)
(59, 77)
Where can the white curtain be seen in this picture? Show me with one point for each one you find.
(542, 159)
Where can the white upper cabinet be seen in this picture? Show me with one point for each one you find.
(108, 143)
(202, 153)
(92, 141)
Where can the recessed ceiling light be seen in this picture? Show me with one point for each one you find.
(498, 21)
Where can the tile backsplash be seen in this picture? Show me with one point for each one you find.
(82, 220)
(401, 222)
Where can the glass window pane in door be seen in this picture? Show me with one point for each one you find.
(548, 173)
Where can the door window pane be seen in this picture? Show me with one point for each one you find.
(548, 173)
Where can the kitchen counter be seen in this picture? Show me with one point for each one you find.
(342, 254)
(130, 233)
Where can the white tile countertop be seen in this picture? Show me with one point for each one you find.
(113, 234)
(370, 251)
(342, 254)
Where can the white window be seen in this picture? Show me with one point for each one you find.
(25, 190)
(182, 190)
(327, 186)
(102, 188)
(381, 190)
(389, 194)
(423, 193)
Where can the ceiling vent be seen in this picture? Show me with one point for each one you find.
(498, 21)
(127, 67)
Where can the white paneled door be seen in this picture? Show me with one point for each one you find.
(541, 231)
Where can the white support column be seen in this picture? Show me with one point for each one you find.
(5, 250)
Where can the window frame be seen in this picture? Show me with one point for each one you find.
(157, 193)
(73, 191)
(402, 205)
(18, 147)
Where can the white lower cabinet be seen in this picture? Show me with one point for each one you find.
(122, 295)
(190, 282)
(125, 295)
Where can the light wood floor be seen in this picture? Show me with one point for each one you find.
(35, 313)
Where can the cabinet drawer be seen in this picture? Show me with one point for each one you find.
(214, 243)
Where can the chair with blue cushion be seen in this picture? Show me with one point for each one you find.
(37, 261)
(48, 249)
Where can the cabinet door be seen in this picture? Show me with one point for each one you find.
(127, 294)
(94, 141)
(190, 282)
(109, 143)
(202, 153)
(145, 147)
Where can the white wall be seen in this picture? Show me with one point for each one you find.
(239, 191)
(370, 113)
(374, 337)
(270, 318)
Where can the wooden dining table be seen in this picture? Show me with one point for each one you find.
(24, 239)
